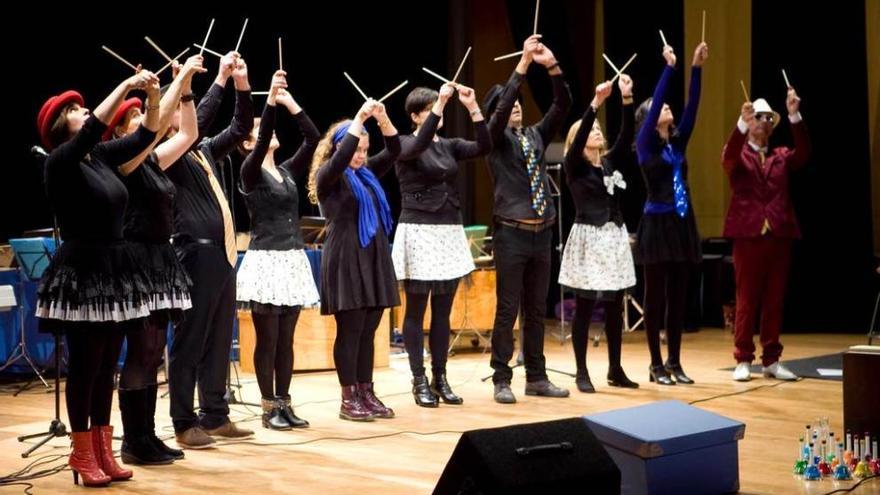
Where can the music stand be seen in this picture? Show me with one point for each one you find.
(32, 256)
(314, 230)
(554, 156)
(476, 236)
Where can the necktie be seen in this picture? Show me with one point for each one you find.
(536, 182)
(676, 159)
(766, 227)
(228, 228)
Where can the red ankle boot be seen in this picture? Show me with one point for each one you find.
(83, 461)
(102, 444)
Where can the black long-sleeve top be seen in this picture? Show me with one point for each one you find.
(86, 195)
(427, 171)
(334, 193)
(507, 164)
(150, 213)
(197, 214)
(273, 204)
(656, 169)
(592, 202)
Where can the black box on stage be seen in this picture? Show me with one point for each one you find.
(555, 457)
(861, 400)
(671, 448)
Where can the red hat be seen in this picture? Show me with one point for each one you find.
(120, 114)
(49, 112)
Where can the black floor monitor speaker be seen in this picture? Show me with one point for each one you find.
(555, 457)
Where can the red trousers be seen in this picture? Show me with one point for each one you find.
(761, 265)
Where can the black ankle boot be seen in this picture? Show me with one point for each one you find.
(617, 378)
(582, 380)
(136, 445)
(272, 418)
(440, 387)
(288, 415)
(677, 372)
(422, 393)
(658, 374)
(152, 397)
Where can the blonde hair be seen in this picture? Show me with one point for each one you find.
(573, 130)
(322, 155)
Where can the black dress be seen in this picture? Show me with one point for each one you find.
(353, 277)
(149, 223)
(95, 275)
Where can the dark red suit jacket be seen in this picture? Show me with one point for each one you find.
(759, 193)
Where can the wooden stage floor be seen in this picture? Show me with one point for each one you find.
(406, 455)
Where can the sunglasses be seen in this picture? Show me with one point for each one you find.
(765, 117)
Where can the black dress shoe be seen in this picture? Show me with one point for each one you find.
(440, 387)
(582, 380)
(422, 393)
(658, 374)
(678, 373)
(617, 378)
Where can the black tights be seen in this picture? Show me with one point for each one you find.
(665, 298)
(93, 350)
(438, 341)
(146, 347)
(273, 353)
(353, 348)
(581, 329)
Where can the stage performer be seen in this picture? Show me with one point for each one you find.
(431, 252)
(762, 223)
(357, 274)
(275, 279)
(94, 285)
(524, 214)
(148, 226)
(204, 239)
(597, 263)
(668, 244)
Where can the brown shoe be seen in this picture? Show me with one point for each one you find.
(229, 430)
(194, 438)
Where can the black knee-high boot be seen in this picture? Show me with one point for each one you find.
(136, 445)
(152, 397)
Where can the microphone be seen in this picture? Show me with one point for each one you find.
(38, 151)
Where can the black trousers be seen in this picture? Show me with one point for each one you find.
(522, 261)
(93, 350)
(200, 349)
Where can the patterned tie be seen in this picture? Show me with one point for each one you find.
(228, 229)
(536, 182)
(676, 159)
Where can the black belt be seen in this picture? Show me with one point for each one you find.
(529, 227)
(182, 240)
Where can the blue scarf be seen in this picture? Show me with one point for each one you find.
(368, 221)
(676, 158)
(359, 180)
